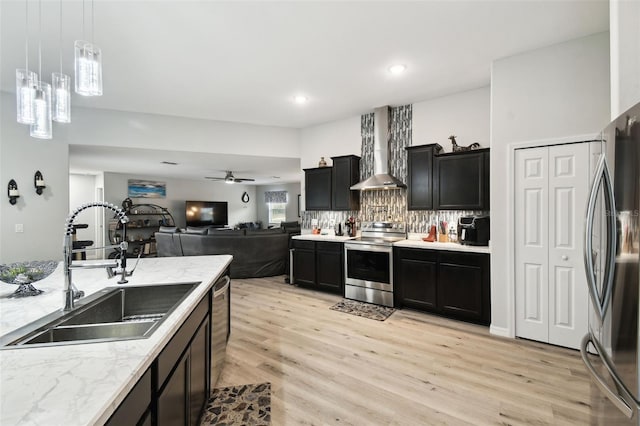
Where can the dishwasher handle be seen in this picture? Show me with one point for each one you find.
(218, 291)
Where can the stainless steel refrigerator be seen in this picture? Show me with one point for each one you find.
(611, 349)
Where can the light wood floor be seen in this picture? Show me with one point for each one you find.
(328, 367)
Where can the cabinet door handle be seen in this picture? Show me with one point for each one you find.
(565, 257)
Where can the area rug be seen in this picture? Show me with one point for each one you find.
(361, 309)
(239, 405)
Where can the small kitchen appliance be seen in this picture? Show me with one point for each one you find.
(474, 230)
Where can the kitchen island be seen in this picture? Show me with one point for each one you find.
(83, 384)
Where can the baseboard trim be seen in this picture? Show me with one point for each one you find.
(500, 331)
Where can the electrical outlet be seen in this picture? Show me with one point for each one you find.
(332, 223)
(19, 227)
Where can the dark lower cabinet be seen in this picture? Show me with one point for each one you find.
(319, 265)
(182, 395)
(304, 262)
(172, 401)
(198, 372)
(418, 272)
(329, 268)
(136, 407)
(175, 388)
(453, 284)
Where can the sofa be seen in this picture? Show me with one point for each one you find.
(256, 253)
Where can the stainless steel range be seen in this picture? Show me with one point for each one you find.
(368, 266)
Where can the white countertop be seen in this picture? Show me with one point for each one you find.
(416, 242)
(83, 384)
(320, 237)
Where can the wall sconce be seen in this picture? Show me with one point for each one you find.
(38, 181)
(12, 192)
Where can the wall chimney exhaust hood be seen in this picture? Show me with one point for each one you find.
(381, 178)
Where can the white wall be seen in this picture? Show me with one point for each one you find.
(181, 190)
(293, 189)
(466, 115)
(82, 189)
(553, 92)
(328, 140)
(624, 23)
(42, 216)
(135, 130)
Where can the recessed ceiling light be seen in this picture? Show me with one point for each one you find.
(300, 99)
(397, 69)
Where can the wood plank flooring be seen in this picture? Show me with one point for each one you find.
(328, 367)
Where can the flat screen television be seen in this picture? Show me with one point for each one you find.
(207, 213)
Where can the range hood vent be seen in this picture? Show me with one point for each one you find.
(381, 178)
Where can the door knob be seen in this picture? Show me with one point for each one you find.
(565, 257)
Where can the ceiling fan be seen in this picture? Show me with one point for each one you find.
(229, 178)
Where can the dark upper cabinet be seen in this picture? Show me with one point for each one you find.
(461, 181)
(345, 173)
(317, 184)
(420, 176)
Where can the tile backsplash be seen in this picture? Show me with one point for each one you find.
(376, 205)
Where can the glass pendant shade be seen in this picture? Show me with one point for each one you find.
(61, 97)
(88, 67)
(25, 92)
(42, 127)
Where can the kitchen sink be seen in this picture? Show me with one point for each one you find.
(113, 313)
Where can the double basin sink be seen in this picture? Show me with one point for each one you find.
(113, 313)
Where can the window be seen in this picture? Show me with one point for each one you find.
(277, 212)
(277, 205)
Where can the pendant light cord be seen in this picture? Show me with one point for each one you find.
(26, 36)
(60, 41)
(83, 20)
(40, 39)
(92, 21)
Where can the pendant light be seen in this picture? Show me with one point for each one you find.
(61, 89)
(42, 127)
(25, 82)
(88, 63)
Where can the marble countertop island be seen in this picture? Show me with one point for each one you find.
(83, 384)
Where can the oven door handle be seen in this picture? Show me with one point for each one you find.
(368, 247)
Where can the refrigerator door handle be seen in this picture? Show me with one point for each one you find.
(619, 399)
(600, 300)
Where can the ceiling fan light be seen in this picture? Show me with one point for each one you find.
(88, 68)
(25, 93)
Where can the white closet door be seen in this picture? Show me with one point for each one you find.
(532, 247)
(568, 294)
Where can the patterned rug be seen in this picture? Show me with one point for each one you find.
(239, 405)
(361, 309)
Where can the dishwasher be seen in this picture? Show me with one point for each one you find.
(220, 326)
